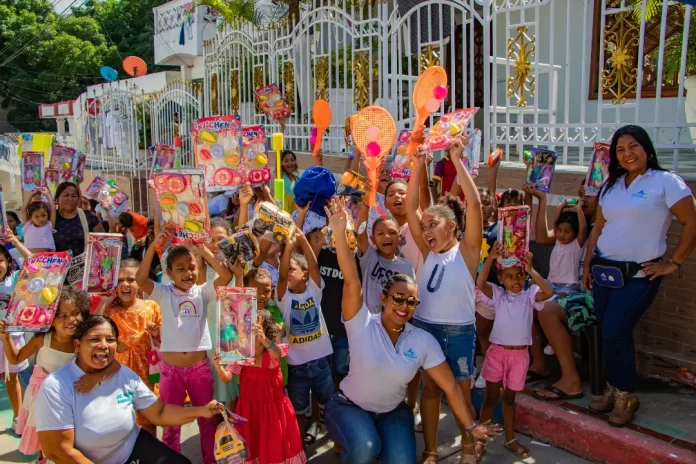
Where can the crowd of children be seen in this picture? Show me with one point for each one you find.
(420, 235)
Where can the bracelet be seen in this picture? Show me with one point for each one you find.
(679, 267)
(271, 346)
(471, 429)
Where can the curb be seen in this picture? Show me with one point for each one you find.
(591, 438)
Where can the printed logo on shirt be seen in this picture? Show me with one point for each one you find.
(410, 354)
(435, 278)
(381, 274)
(187, 309)
(305, 322)
(331, 272)
(640, 195)
(124, 398)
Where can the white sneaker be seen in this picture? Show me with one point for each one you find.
(548, 350)
(480, 382)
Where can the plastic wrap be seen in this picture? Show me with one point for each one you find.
(446, 129)
(101, 190)
(272, 220)
(599, 169)
(164, 157)
(272, 103)
(241, 243)
(103, 260)
(217, 148)
(513, 235)
(230, 447)
(236, 312)
(32, 171)
(181, 197)
(540, 171)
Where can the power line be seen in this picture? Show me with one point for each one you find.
(54, 75)
(22, 33)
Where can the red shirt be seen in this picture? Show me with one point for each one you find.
(446, 173)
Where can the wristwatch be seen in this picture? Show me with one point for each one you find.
(678, 266)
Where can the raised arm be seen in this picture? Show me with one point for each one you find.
(493, 171)
(312, 264)
(51, 206)
(546, 288)
(425, 198)
(26, 199)
(582, 225)
(337, 215)
(470, 246)
(246, 193)
(363, 238)
(482, 279)
(543, 235)
(24, 251)
(142, 277)
(224, 273)
(285, 265)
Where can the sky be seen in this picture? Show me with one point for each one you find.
(60, 5)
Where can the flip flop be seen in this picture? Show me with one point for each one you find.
(535, 376)
(561, 395)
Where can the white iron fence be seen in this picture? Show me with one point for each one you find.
(558, 74)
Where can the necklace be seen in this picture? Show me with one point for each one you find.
(397, 330)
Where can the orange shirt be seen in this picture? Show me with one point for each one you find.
(139, 229)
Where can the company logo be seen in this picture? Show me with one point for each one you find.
(410, 354)
(187, 309)
(640, 194)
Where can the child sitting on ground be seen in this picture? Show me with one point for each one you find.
(507, 359)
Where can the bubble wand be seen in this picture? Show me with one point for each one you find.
(279, 183)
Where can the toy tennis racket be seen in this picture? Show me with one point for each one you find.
(321, 114)
(428, 95)
(374, 133)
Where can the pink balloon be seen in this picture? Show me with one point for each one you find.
(314, 131)
(373, 149)
(432, 105)
(373, 133)
(440, 92)
(313, 140)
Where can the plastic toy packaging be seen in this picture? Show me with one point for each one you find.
(66, 165)
(472, 152)
(241, 243)
(164, 157)
(271, 219)
(599, 169)
(230, 447)
(182, 199)
(102, 190)
(3, 215)
(217, 149)
(348, 138)
(236, 312)
(540, 171)
(255, 169)
(32, 171)
(401, 165)
(513, 234)
(446, 129)
(76, 271)
(35, 299)
(354, 180)
(103, 260)
(272, 102)
(351, 236)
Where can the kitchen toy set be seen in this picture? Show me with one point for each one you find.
(272, 102)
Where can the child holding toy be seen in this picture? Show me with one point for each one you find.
(39, 218)
(507, 359)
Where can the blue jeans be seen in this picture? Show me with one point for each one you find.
(366, 436)
(315, 375)
(618, 311)
(458, 343)
(341, 355)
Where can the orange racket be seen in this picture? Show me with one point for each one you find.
(321, 114)
(428, 95)
(374, 133)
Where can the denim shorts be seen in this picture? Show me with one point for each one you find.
(341, 355)
(458, 343)
(313, 375)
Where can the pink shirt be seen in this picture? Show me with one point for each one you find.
(513, 315)
(564, 263)
(39, 237)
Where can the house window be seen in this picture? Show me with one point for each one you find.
(620, 41)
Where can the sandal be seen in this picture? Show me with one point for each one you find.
(480, 448)
(311, 434)
(429, 457)
(468, 458)
(560, 394)
(519, 451)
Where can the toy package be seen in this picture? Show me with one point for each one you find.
(513, 234)
(472, 152)
(103, 259)
(236, 312)
(164, 157)
(401, 165)
(540, 170)
(241, 243)
(101, 190)
(351, 236)
(230, 447)
(66, 165)
(271, 219)
(354, 180)
(599, 169)
(348, 138)
(32, 171)
(35, 299)
(76, 271)
(446, 129)
(255, 169)
(3, 215)
(217, 149)
(272, 102)
(183, 202)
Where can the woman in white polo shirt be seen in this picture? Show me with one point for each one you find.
(368, 416)
(99, 426)
(624, 264)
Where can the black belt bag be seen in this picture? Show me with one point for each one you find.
(614, 274)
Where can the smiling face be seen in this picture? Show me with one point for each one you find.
(184, 272)
(216, 234)
(398, 314)
(386, 238)
(395, 199)
(12, 223)
(438, 232)
(67, 318)
(69, 199)
(631, 155)
(384, 179)
(97, 348)
(513, 278)
(289, 163)
(264, 291)
(127, 289)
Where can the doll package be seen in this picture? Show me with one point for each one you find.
(102, 190)
(272, 103)
(513, 234)
(103, 259)
(599, 169)
(66, 165)
(401, 165)
(241, 243)
(164, 157)
(447, 129)
(32, 171)
(230, 447)
(540, 170)
(35, 299)
(236, 312)
(183, 203)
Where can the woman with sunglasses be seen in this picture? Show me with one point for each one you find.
(368, 418)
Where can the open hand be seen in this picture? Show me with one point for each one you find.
(304, 209)
(246, 194)
(337, 214)
(657, 269)
(530, 189)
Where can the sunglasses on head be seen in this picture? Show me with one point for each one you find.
(399, 299)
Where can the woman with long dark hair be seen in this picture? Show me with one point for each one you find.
(624, 264)
(73, 224)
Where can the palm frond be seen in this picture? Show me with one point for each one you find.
(652, 9)
(233, 10)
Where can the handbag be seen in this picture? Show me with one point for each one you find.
(153, 359)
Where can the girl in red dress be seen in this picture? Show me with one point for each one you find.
(271, 431)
